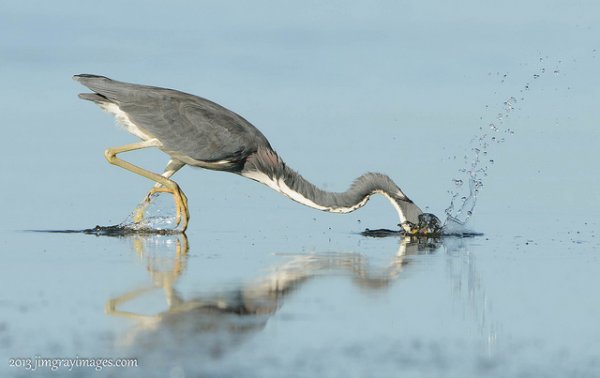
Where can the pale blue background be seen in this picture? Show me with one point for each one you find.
(339, 88)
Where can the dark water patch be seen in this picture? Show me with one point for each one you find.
(384, 233)
(115, 230)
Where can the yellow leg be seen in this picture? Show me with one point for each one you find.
(168, 185)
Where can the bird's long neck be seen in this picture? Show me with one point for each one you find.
(266, 166)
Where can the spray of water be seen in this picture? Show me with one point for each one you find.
(159, 216)
(469, 180)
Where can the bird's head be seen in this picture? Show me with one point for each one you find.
(427, 225)
(414, 220)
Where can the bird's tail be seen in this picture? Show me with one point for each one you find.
(95, 97)
(110, 89)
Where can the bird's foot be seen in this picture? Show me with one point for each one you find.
(140, 211)
(147, 217)
(181, 205)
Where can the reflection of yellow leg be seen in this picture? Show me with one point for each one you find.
(160, 279)
(111, 306)
(168, 185)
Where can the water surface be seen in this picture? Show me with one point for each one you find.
(262, 286)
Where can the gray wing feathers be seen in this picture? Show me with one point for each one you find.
(185, 124)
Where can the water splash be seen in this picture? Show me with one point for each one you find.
(463, 198)
(159, 216)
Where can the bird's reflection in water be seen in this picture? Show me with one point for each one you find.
(213, 323)
(165, 258)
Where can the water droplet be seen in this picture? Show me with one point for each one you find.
(491, 161)
(458, 182)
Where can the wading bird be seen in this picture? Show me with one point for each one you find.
(201, 133)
